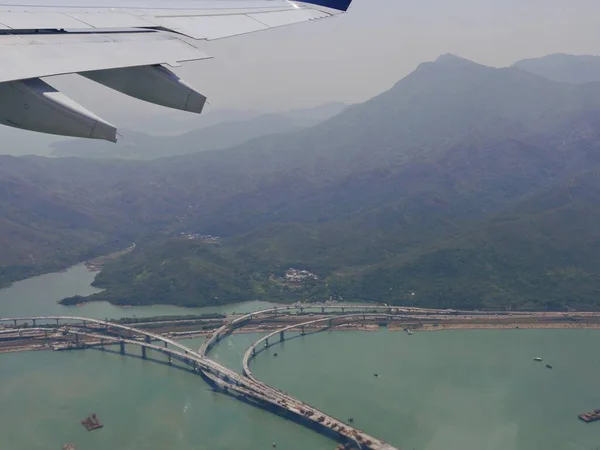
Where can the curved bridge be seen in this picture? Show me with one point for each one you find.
(229, 327)
(244, 388)
(252, 352)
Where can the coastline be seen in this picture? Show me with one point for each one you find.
(195, 334)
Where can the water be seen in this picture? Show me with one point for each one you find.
(143, 405)
(467, 390)
(39, 296)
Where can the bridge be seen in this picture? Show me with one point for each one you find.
(329, 322)
(245, 388)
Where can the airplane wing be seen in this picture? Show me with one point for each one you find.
(126, 45)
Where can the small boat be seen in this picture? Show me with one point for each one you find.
(538, 359)
(548, 366)
(408, 330)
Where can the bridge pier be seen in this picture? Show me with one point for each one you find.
(56, 321)
(323, 310)
(77, 339)
(46, 334)
(330, 323)
(84, 324)
(33, 322)
(102, 344)
(148, 340)
(266, 342)
(169, 362)
(143, 352)
(302, 330)
(122, 345)
(253, 351)
(343, 309)
(282, 336)
(15, 321)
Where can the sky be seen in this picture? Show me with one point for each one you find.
(357, 55)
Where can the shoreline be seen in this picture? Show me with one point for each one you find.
(192, 334)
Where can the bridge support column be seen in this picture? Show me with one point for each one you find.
(148, 340)
(169, 362)
(122, 345)
(165, 344)
(267, 342)
(46, 334)
(84, 324)
(15, 321)
(330, 323)
(343, 309)
(364, 316)
(102, 344)
(143, 352)
(282, 336)
(302, 330)
(301, 310)
(77, 338)
(323, 310)
(57, 322)
(253, 351)
(33, 322)
(195, 365)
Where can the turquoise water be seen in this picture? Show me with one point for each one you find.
(471, 389)
(467, 390)
(39, 296)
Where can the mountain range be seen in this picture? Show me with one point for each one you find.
(223, 129)
(462, 186)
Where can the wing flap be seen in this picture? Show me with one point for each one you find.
(23, 57)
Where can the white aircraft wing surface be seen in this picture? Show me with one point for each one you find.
(126, 45)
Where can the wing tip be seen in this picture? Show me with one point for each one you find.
(340, 5)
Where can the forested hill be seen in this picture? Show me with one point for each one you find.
(374, 200)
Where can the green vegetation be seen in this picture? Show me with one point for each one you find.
(462, 186)
(134, 320)
(188, 273)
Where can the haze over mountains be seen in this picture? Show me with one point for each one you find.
(564, 68)
(462, 186)
(223, 129)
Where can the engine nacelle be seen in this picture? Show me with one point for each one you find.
(154, 84)
(35, 105)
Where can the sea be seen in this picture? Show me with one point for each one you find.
(438, 390)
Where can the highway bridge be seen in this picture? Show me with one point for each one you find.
(329, 322)
(247, 389)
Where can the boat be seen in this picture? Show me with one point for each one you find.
(91, 423)
(538, 359)
(590, 417)
(548, 366)
(408, 330)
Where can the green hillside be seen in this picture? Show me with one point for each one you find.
(445, 186)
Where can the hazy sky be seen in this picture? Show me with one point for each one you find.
(357, 55)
